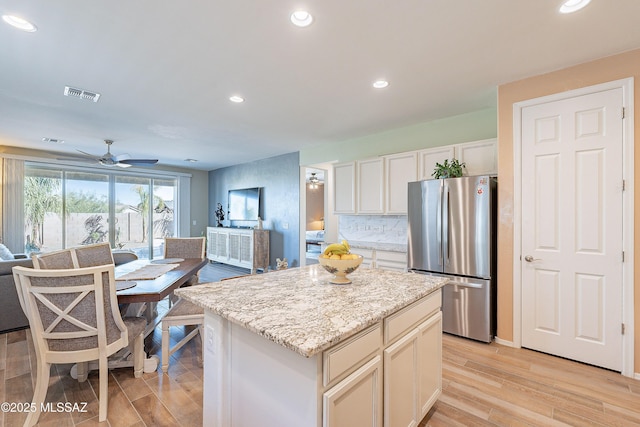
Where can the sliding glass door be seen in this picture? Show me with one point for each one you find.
(65, 208)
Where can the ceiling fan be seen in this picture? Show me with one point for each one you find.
(122, 160)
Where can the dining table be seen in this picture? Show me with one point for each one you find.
(154, 287)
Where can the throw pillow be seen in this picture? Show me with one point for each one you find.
(5, 253)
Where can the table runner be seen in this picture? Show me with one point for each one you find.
(148, 272)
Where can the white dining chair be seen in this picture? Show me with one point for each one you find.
(73, 316)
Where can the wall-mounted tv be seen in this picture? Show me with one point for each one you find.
(244, 204)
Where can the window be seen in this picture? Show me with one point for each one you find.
(65, 208)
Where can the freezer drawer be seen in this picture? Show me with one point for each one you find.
(468, 309)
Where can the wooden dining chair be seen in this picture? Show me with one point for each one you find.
(73, 316)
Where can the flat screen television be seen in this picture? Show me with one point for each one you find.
(244, 204)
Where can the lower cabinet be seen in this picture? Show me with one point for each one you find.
(396, 386)
(413, 374)
(356, 400)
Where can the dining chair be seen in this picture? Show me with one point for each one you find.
(73, 316)
(123, 256)
(93, 255)
(53, 260)
(182, 313)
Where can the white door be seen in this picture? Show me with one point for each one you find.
(572, 186)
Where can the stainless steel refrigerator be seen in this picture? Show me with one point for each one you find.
(452, 233)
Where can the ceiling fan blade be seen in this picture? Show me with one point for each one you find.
(94, 157)
(76, 159)
(139, 162)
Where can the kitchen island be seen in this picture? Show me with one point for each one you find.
(287, 348)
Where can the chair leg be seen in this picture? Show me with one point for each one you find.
(165, 347)
(201, 336)
(138, 356)
(39, 392)
(82, 369)
(104, 383)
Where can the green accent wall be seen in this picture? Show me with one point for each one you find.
(478, 125)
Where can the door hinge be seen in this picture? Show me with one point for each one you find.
(624, 184)
(622, 256)
(623, 112)
(622, 329)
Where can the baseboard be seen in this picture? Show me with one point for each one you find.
(636, 376)
(503, 342)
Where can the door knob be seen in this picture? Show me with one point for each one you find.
(529, 258)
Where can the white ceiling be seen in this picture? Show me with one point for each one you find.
(165, 69)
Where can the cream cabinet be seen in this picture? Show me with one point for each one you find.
(370, 186)
(345, 188)
(378, 186)
(480, 158)
(400, 169)
(389, 260)
(427, 159)
(412, 369)
(242, 247)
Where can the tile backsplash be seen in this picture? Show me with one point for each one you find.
(373, 228)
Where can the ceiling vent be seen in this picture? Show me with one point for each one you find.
(80, 93)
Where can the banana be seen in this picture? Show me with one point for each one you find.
(336, 249)
(346, 245)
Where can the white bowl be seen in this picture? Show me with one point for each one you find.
(340, 268)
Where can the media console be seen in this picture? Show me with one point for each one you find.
(242, 247)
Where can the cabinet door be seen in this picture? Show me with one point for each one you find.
(400, 169)
(356, 400)
(401, 382)
(480, 157)
(370, 186)
(427, 160)
(388, 260)
(344, 188)
(430, 362)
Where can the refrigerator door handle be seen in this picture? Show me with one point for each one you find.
(439, 225)
(445, 226)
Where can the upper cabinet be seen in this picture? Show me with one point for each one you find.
(480, 158)
(379, 185)
(369, 186)
(400, 170)
(345, 188)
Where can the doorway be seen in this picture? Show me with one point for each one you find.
(317, 222)
(573, 226)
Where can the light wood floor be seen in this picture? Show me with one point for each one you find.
(484, 385)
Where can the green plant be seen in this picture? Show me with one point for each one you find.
(448, 169)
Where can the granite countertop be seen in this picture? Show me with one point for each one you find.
(299, 309)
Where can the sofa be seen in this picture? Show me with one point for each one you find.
(11, 315)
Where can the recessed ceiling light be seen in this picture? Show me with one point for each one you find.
(190, 160)
(380, 84)
(301, 18)
(236, 99)
(19, 23)
(571, 6)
